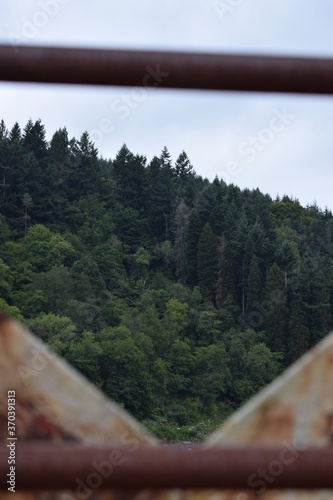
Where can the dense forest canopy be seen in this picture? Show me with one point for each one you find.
(179, 297)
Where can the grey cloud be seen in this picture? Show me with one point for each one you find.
(209, 126)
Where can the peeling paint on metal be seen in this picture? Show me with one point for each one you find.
(56, 403)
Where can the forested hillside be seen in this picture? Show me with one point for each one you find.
(179, 297)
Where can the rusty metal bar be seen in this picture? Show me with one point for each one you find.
(166, 69)
(51, 466)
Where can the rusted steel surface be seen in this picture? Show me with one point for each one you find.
(57, 405)
(296, 407)
(210, 71)
(56, 466)
(293, 411)
(53, 401)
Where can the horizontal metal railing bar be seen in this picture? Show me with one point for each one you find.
(52, 466)
(210, 71)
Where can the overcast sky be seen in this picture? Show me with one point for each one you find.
(279, 143)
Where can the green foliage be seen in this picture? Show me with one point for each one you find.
(193, 235)
(276, 319)
(212, 373)
(181, 362)
(175, 318)
(44, 249)
(179, 297)
(298, 338)
(124, 370)
(254, 285)
(11, 311)
(4, 230)
(164, 257)
(5, 286)
(88, 281)
(90, 220)
(129, 171)
(208, 328)
(158, 188)
(84, 353)
(48, 326)
(207, 261)
(252, 363)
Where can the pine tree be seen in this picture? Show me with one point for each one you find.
(287, 258)
(59, 146)
(15, 133)
(312, 285)
(87, 168)
(192, 240)
(58, 172)
(318, 307)
(33, 173)
(166, 158)
(221, 244)
(184, 175)
(34, 140)
(129, 170)
(166, 180)
(206, 203)
(183, 166)
(217, 217)
(298, 336)
(28, 204)
(15, 178)
(259, 239)
(182, 214)
(158, 197)
(207, 261)
(254, 285)
(4, 158)
(242, 249)
(275, 310)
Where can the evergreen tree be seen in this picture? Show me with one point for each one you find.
(15, 133)
(298, 336)
(58, 172)
(103, 241)
(158, 197)
(34, 140)
(180, 250)
(4, 158)
(183, 167)
(242, 249)
(217, 217)
(287, 258)
(129, 170)
(318, 307)
(192, 240)
(33, 170)
(207, 261)
(84, 176)
(276, 310)
(312, 285)
(254, 285)
(184, 177)
(165, 158)
(15, 178)
(259, 240)
(28, 204)
(221, 244)
(59, 147)
(206, 203)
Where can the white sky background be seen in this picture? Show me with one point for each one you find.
(210, 126)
